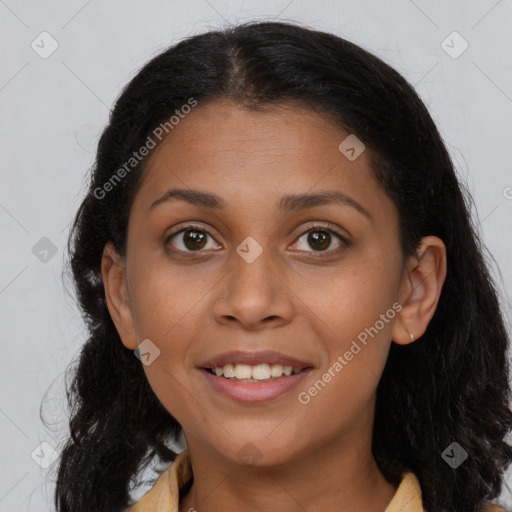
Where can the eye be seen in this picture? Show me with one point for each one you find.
(190, 239)
(320, 239)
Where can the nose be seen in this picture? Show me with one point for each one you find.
(254, 295)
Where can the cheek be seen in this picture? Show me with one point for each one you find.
(166, 304)
(357, 345)
(163, 296)
(355, 298)
(357, 312)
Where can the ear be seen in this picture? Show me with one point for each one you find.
(422, 283)
(113, 271)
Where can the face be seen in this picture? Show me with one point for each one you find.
(258, 268)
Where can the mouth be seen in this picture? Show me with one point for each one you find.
(251, 377)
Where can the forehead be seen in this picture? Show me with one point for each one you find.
(255, 156)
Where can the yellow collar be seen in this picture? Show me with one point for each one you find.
(164, 495)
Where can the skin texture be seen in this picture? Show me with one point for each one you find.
(194, 306)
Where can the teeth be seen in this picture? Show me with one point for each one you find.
(262, 371)
(243, 371)
(276, 370)
(228, 370)
(287, 370)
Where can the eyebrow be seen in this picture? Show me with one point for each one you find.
(288, 203)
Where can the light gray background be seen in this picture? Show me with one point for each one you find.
(53, 110)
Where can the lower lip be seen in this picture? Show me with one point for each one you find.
(251, 392)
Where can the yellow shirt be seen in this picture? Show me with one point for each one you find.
(164, 495)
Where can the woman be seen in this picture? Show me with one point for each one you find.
(276, 260)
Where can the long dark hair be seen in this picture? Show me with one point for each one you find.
(451, 385)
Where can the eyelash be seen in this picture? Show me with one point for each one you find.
(316, 227)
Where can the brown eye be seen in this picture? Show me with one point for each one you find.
(189, 239)
(194, 239)
(319, 240)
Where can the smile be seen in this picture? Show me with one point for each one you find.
(253, 373)
(254, 376)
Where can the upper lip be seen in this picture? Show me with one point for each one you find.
(253, 358)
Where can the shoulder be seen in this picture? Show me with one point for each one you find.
(165, 493)
(492, 507)
(154, 497)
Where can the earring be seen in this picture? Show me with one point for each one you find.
(411, 336)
